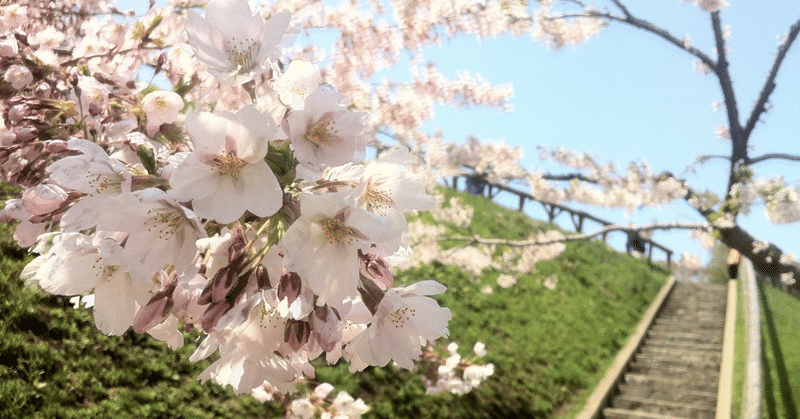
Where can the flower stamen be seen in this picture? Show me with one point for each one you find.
(378, 199)
(324, 133)
(335, 231)
(242, 54)
(229, 164)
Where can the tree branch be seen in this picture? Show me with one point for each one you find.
(738, 140)
(644, 25)
(580, 237)
(721, 70)
(621, 7)
(769, 85)
(569, 177)
(700, 160)
(766, 261)
(770, 156)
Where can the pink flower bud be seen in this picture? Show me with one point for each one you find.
(153, 313)
(26, 134)
(222, 283)
(375, 267)
(296, 333)
(213, 313)
(43, 199)
(17, 112)
(262, 277)
(327, 327)
(158, 308)
(161, 107)
(289, 287)
(370, 294)
(56, 146)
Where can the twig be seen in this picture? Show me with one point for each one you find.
(769, 84)
(770, 156)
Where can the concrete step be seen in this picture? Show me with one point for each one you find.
(686, 327)
(681, 410)
(692, 361)
(648, 391)
(679, 344)
(693, 353)
(613, 413)
(702, 384)
(664, 321)
(684, 315)
(707, 337)
(675, 371)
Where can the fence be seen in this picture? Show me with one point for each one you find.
(475, 185)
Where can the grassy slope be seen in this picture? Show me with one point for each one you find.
(547, 345)
(780, 358)
(55, 363)
(780, 337)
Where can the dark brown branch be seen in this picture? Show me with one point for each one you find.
(738, 140)
(646, 26)
(770, 156)
(569, 177)
(721, 70)
(767, 261)
(621, 7)
(769, 85)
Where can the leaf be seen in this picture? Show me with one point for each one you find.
(148, 159)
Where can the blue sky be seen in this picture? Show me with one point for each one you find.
(628, 96)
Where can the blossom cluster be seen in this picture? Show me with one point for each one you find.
(318, 403)
(240, 203)
(637, 187)
(454, 218)
(448, 372)
(557, 32)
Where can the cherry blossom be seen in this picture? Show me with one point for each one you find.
(159, 231)
(236, 44)
(18, 76)
(226, 174)
(325, 133)
(161, 107)
(388, 186)
(300, 80)
(322, 245)
(75, 264)
(404, 320)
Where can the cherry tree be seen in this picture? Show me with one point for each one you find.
(743, 186)
(401, 108)
(258, 190)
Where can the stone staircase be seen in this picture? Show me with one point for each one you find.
(675, 372)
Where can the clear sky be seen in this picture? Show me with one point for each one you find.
(626, 95)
